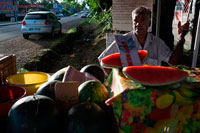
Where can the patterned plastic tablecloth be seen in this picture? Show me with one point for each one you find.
(174, 108)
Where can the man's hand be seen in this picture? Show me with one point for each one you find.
(183, 29)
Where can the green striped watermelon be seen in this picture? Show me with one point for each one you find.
(93, 91)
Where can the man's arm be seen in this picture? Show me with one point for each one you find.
(176, 55)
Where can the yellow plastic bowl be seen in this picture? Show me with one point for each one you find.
(31, 81)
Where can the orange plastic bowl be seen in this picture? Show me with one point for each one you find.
(8, 96)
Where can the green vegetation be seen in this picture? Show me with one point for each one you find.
(22, 70)
(101, 12)
(69, 6)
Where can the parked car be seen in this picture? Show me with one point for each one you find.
(40, 22)
(75, 14)
(84, 16)
(59, 15)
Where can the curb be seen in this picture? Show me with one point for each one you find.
(13, 23)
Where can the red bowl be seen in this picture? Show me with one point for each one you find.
(8, 96)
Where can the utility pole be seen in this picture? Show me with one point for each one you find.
(14, 9)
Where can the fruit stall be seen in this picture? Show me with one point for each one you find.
(153, 99)
(147, 99)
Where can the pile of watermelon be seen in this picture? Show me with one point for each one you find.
(42, 112)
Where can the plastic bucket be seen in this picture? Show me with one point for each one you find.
(8, 96)
(31, 81)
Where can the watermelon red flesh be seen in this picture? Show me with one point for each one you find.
(114, 60)
(154, 75)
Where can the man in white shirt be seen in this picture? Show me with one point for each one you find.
(158, 51)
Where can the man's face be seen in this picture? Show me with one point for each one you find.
(141, 24)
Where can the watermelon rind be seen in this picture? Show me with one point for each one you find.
(155, 75)
(109, 66)
(140, 52)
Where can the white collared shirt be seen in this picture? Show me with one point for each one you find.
(158, 51)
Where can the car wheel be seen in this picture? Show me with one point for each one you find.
(52, 32)
(26, 36)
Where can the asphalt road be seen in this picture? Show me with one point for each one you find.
(10, 31)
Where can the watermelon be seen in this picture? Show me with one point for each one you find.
(93, 91)
(154, 75)
(86, 118)
(114, 61)
(58, 75)
(38, 114)
(47, 89)
(94, 70)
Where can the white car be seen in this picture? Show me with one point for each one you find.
(75, 14)
(60, 15)
(40, 22)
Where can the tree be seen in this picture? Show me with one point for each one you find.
(101, 12)
(71, 6)
(48, 4)
(32, 1)
(23, 2)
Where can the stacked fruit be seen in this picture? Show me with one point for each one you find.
(42, 112)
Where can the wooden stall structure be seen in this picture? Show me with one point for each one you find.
(7, 67)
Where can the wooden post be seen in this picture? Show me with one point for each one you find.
(158, 17)
(196, 45)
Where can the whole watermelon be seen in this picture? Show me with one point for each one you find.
(86, 118)
(93, 91)
(47, 89)
(58, 75)
(94, 70)
(34, 114)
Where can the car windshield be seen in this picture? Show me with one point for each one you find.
(36, 16)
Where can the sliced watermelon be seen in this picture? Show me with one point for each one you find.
(114, 61)
(154, 75)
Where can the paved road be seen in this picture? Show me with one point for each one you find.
(14, 30)
(10, 31)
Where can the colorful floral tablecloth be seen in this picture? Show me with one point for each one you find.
(174, 108)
